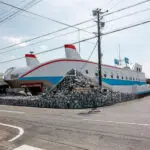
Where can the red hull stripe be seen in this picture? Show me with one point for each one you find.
(70, 46)
(63, 60)
(30, 56)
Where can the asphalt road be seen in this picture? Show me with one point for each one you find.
(124, 126)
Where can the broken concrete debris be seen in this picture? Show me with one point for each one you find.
(75, 91)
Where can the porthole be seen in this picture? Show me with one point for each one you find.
(86, 71)
(96, 74)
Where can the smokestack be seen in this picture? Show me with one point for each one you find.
(31, 60)
(71, 52)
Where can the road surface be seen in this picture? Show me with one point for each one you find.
(124, 126)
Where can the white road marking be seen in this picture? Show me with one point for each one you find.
(27, 147)
(21, 131)
(15, 112)
(125, 123)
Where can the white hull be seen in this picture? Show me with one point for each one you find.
(50, 73)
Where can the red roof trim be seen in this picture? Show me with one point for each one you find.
(63, 60)
(70, 46)
(30, 55)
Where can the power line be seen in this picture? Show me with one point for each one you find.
(128, 15)
(75, 25)
(27, 6)
(5, 13)
(45, 40)
(127, 27)
(43, 17)
(44, 35)
(125, 8)
(116, 4)
(107, 33)
(90, 55)
(128, 7)
(57, 48)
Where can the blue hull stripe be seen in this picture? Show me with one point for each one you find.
(122, 82)
(55, 80)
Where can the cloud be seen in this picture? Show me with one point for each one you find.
(15, 40)
(64, 3)
(44, 47)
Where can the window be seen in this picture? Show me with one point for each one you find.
(130, 78)
(86, 71)
(126, 78)
(133, 78)
(96, 74)
(117, 77)
(105, 75)
(139, 69)
(122, 77)
(112, 76)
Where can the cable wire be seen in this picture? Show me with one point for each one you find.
(90, 38)
(85, 22)
(127, 27)
(27, 6)
(90, 55)
(5, 13)
(44, 35)
(43, 17)
(125, 8)
(116, 4)
(35, 38)
(45, 40)
(128, 15)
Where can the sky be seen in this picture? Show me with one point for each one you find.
(134, 43)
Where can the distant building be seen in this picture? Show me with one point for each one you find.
(3, 85)
(1, 76)
(148, 81)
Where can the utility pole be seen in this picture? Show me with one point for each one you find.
(97, 12)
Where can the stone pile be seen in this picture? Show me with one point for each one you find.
(78, 91)
(75, 91)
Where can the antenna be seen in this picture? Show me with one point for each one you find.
(31, 52)
(79, 41)
(119, 55)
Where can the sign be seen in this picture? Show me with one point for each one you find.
(126, 60)
(116, 61)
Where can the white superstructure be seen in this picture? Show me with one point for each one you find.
(51, 72)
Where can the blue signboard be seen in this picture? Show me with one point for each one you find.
(126, 60)
(116, 61)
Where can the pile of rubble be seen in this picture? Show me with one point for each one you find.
(75, 91)
(78, 91)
